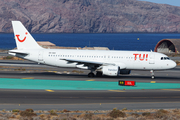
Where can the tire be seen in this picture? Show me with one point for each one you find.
(99, 74)
(91, 75)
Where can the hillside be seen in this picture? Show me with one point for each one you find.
(89, 16)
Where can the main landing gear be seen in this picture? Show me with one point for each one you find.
(91, 74)
(152, 74)
(98, 74)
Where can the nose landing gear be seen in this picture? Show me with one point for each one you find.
(152, 74)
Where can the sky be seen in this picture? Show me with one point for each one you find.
(170, 2)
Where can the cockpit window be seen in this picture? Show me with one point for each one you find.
(165, 58)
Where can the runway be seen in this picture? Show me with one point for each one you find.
(46, 99)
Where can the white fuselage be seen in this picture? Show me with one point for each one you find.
(132, 60)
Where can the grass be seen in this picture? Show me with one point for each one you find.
(115, 114)
(28, 113)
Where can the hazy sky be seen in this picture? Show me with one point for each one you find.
(170, 2)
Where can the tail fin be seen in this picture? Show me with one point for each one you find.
(24, 40)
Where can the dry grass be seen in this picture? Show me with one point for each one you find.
(177, 62)
(10, 58)
(115, 114)
(77, 71)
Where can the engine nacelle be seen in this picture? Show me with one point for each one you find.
(125, 71)
(111, 70)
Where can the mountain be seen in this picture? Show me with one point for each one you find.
(89, 16)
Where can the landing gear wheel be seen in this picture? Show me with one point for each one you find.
(152, 77)
(91, 74)
(99, 74)
(152, 74)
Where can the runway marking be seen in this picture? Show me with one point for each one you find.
(50, 90)
(116, 90)
(28, 78)
(91, 80)
(53, 71)
(171, 89)
(153, 81)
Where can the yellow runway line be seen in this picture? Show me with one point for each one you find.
(50, 90)
(153, 81)
(91, 80)
(116, 90)
(28, 78)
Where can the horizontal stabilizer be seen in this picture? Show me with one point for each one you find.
(18, 52)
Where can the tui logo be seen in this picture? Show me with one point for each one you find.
(22, 39)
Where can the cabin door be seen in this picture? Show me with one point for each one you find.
(151, 59)
(40, 56)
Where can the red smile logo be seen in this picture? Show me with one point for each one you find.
(22, 39)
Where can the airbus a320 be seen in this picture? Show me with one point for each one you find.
(107, 62)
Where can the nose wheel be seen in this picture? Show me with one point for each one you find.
(91, 74)
(152, 74)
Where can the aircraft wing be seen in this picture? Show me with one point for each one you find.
(86, 63)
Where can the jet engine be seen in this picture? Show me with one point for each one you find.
(111, 70)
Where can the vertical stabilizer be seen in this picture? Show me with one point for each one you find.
(23, 38)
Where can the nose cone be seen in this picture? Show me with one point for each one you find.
(173, 64)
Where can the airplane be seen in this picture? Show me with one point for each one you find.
(103, 62)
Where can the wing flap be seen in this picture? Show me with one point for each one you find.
(86, 63)
(83, 61)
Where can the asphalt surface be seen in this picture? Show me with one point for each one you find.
(85, 100)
